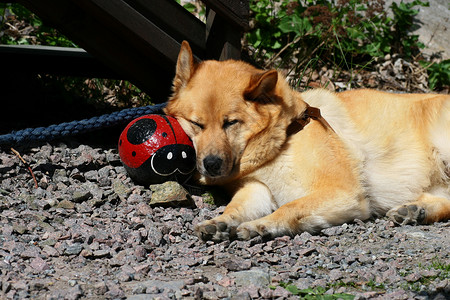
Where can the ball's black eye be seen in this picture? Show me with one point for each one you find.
(133, 153)
(164, 134)
(229, 123)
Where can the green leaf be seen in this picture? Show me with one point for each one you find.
(190, 7)
(294, 24)
(308, 291)
(293, 289)
(439, 74)
(276, 45)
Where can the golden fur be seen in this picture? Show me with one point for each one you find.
(388, 154)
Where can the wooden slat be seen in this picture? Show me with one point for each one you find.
(235, 11)
(223, 40)
(139, 32)
(175, 20)
(55, 60)
(45, 50)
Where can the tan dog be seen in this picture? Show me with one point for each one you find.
(289, 171)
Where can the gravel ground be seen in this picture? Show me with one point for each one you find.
(87, 231)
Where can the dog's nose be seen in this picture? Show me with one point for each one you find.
(212, 165)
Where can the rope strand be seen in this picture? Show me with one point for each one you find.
(55, 131)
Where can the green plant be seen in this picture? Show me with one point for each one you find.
(437, 264)
(438, 73)
(196, 8)
(406, 44)
(340, 283)
(424, 281)
(208, 198)
(19, 26)
(344, 34)
(375, 286)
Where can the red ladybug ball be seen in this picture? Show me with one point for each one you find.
(154, 149)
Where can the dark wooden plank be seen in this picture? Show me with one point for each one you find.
(234, 11)
(223, 40)
(55, 60)
(45, 51)
(139, 32)
(175, 20)
(97, 33)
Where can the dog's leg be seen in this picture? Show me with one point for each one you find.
(427, 209)
(252, 201)
(310, 213)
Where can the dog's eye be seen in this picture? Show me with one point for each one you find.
(229, 123)
(197, 124)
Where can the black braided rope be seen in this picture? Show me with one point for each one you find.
(55, 131)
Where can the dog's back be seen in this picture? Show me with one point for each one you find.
(402, 140)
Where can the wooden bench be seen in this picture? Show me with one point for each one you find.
(137, 40)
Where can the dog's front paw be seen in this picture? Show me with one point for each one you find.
(249, 230)
(212, 230)
(407, 214)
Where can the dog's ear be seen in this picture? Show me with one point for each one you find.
(185, 67)
(262, 86)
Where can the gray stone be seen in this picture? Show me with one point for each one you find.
(336, 230)
(256, 277)
(104, 172)
(72, 293)
(237, 264)
(39, 264)
(91, 175)
(66, 204)
(158, 285)
(60, 175)
(170, 193)
(73, 249)
(100, 288)
(101, 253)
(121, 189)
(81, 195)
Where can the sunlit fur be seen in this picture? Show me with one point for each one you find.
(389, 153)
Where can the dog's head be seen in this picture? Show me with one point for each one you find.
(235, 114)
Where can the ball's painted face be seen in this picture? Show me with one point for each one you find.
(154, 149)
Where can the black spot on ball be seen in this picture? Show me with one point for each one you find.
(141, 131)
